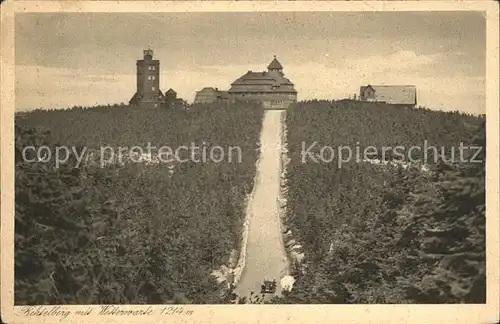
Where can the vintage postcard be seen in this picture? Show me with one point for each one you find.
(250, 162)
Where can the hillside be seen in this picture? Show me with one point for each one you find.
(131, 233)
(139, 233)
(376, 233)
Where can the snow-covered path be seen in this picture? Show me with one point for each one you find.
(265, 254)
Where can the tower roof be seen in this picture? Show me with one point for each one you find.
(275, 65)
(148, 53)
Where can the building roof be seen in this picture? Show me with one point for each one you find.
(262, 82)
(210, 94)
(394, 94)
(207, 89)
(275, 65)
(271, 81)
(170, 91)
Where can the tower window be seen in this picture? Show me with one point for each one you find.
(153, 68)
(149, 77)
(153, 88)
(153, 77)
(149, 68)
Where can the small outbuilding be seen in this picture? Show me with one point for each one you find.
(209, 95)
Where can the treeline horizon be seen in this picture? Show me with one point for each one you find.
(191, 104)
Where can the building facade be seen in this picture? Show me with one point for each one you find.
(148, 93)
(206, 95)
(398, 95)
(270, 87)
(211, 95)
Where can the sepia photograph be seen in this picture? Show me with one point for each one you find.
(176, 159)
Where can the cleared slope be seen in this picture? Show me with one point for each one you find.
(265, 256)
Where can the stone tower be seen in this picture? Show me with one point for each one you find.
(148, 93)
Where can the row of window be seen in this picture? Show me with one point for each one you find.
(151, 77)
(151, 68)
(282, 94)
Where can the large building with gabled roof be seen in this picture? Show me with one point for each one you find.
(270, 87)
(397, 95)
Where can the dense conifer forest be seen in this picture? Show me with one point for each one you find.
(131, 233)
(376, 233)
(138, 233)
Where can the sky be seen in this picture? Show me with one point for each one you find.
(67, 59)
